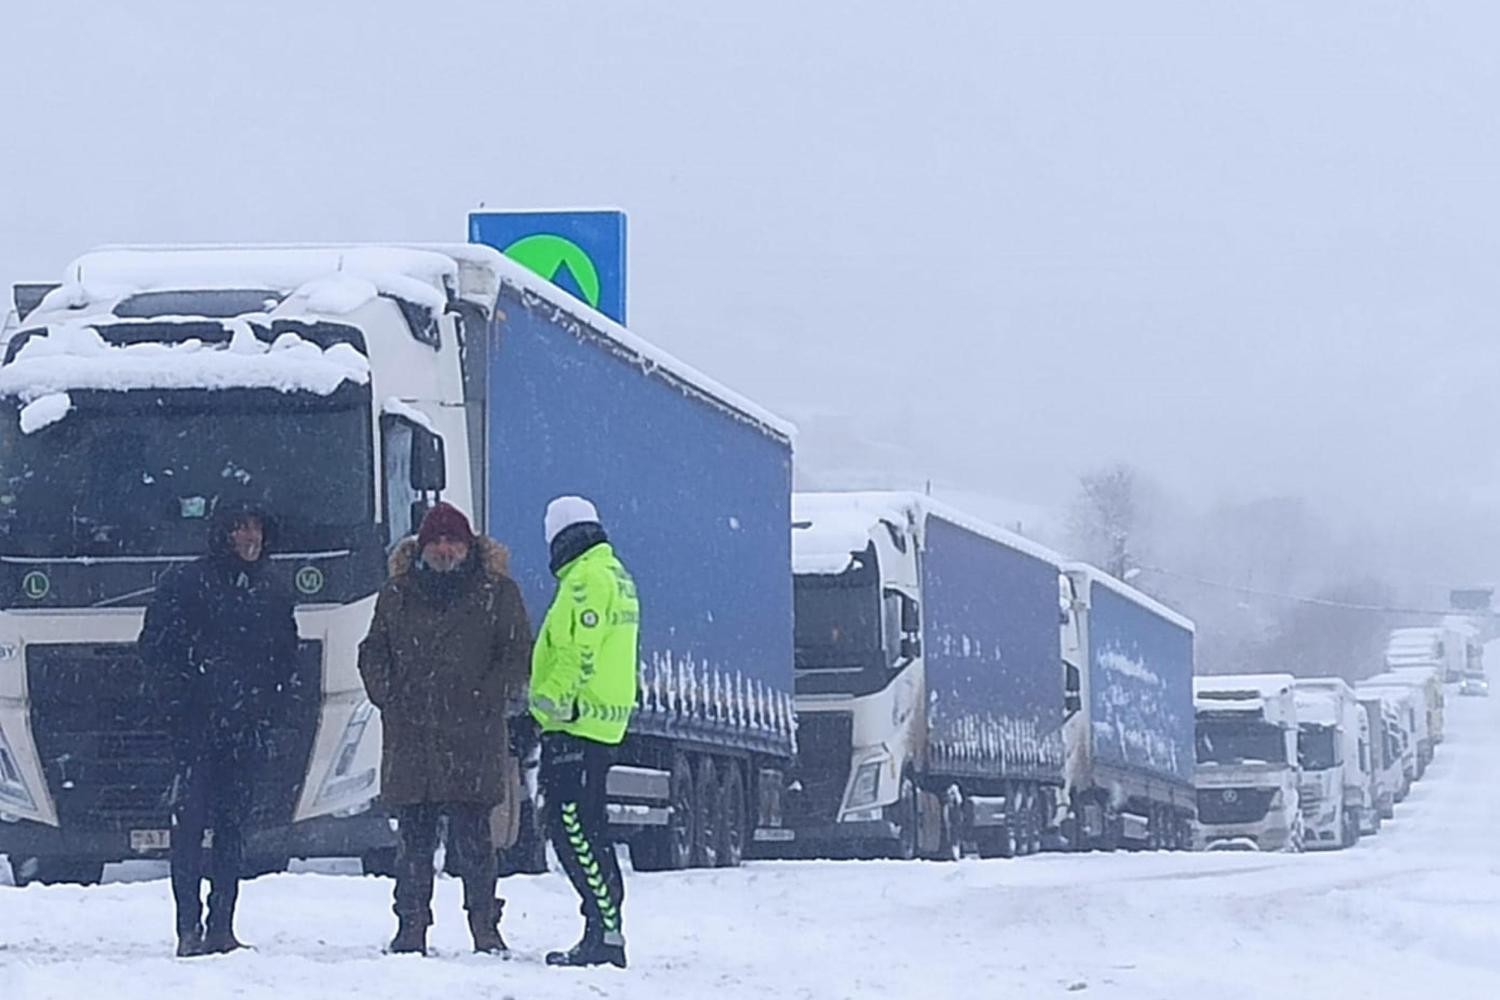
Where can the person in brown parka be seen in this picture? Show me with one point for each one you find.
(446, 656)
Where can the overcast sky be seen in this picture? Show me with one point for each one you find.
(1249, 247)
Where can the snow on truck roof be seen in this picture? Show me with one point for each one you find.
(1222, 692)
(76, 357)
(1095, 575)
(1318, 705)
(339, 278)
(832, 526)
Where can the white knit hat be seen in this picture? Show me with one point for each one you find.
(564, 512)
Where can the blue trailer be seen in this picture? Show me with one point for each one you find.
(1130, 725)
(929, 681)
(694, 486)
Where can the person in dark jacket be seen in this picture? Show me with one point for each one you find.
(445, 658)
(220, 642)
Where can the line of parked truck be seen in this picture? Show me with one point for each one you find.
(821, 674)
(1291, 763)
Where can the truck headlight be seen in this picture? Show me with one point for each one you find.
(13, 790)
(339, 782)
(866, 787)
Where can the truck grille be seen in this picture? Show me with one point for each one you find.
(105, 748)
(824, 743)
(1234, 805)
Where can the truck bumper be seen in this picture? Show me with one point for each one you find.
(323, 837)
(838, 839)
(1263, 836)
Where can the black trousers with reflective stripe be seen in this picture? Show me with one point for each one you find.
(574, 771)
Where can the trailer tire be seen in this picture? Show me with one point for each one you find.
(1038, 821)
(670, 848)
(708, 800)
(56, 871)
(951, 844)
(732, 814)
(528, 855)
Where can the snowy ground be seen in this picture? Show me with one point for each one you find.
(1411, 913)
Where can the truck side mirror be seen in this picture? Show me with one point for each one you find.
(911, 615)
(1072, 702)
(911, 648)
(429, 466)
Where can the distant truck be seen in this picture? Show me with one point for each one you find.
(1446, 648)
(1247, 777)
(1333, 749)
(929, 681)
(1129, 734)
(1405, 718)
(1428, 682)
(1385, 752)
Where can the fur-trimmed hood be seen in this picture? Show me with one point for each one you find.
(494, 557)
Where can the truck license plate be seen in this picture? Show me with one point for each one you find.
(150, 840)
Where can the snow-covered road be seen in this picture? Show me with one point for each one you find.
(1411, 913)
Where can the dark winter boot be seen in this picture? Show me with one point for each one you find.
(190, 943)
(221, 941)
(485, 929)
(596, 948)
(410, 939)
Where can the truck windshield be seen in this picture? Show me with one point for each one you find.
(1235, 741)
(837, 623)
(1317, 747)
(137, 474)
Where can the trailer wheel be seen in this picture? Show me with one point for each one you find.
(708, 800)
(1038, 822)
(951, 844)
(670, 848)
(732, 812)
(56, 871)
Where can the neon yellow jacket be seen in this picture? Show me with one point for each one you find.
(583, 665)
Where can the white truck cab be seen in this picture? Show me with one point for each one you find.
(1247, 776)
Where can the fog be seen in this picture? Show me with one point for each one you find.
(1245, 250)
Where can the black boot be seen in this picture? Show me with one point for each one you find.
(485, 929)
(596, 948)
(221, 941)
(410, 939)
(190, 943)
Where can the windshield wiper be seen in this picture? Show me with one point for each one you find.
(105, 602)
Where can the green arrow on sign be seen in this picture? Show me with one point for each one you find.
(547, 254)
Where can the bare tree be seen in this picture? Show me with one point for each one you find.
(1105, 517)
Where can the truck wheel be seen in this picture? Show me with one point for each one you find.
(380, 863)
(56, 871)
(951, 846)
(731, 829)
(265, 864)
(1038, 823)
(907, 820)
(707, 798)
(670, 847)
(528, 855)
(683, 828)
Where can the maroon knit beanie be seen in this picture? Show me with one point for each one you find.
(444, 521)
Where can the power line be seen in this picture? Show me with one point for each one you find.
(1321, 602)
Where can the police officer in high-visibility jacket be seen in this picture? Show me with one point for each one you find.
(583, 688)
